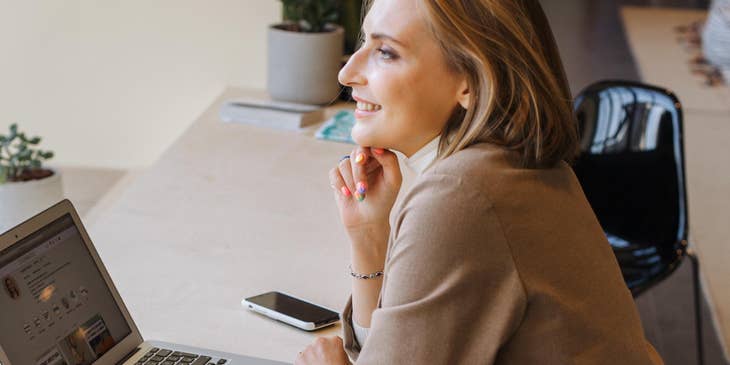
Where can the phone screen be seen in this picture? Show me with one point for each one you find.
(294, 307)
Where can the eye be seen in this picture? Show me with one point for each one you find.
(386, 54)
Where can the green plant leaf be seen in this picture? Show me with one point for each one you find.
(18, 156)
(311, 15)
(3, 175)
(25, 155)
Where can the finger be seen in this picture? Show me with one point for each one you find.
(372, 166)
(358, 159)
(348, 184)
(345, 169)
(320, 347)
(338, 183)
(299, 360)
(391, 169)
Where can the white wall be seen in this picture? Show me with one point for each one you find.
(113, 83)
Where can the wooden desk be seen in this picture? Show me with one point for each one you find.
(230, 210)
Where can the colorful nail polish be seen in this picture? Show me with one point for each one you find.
(345, 191)
(359, 197)
(360, 158)
(362, 187)
(378, 151)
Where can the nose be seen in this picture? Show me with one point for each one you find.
(352, 73)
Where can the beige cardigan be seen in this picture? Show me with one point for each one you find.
(489, 263)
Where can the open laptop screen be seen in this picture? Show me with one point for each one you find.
(55, 307)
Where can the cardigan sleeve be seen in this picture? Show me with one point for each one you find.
(451, 292)
(349, 339)
(353, 335)
(361, 333)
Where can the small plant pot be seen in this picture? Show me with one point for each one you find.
(22, 200)
(303, 67)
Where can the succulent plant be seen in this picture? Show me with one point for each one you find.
(18, 160)
(310, 16)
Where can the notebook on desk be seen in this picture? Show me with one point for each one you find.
(338, 128)
(58, 305)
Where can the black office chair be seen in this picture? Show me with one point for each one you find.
(631, 167)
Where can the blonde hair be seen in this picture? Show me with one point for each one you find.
(520, 97)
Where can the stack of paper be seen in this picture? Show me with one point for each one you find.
(270, 113)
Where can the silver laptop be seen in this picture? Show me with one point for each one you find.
(58, 305)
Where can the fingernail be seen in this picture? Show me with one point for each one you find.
(362, 187)
(345, 191)
(359, 197)
(378, 151)
(360, 158)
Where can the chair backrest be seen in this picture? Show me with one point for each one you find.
(631, 167)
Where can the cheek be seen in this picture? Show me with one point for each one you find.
(391, 124)
(414, 104)
(398, 93)
(436, 96)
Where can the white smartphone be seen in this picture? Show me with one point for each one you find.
(291, 310)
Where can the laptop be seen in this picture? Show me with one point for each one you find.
(58, 305)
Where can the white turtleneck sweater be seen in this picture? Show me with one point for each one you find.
(418, 163)
(420, 160)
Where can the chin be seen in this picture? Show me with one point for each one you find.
(364, 136)
(370, 134)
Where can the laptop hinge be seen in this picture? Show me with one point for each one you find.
(127, 356)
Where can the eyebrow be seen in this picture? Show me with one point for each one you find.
(385, 36)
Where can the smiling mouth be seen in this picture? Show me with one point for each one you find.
(367, 107)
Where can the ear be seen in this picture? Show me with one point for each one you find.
(464, 95)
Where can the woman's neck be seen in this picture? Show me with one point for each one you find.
(422, 158)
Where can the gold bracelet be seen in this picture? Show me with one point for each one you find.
(365, 276)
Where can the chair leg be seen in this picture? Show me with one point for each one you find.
(698, 306)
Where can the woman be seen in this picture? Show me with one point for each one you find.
(493, 256)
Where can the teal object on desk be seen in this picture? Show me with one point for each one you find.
(338, 128)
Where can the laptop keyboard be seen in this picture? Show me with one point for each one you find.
(158, 356)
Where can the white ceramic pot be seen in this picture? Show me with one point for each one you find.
(22, 200)
(303, 67)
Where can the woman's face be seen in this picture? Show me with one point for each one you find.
(399, 77)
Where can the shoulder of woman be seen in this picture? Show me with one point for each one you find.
(449, 219)
(479, 160)
(443, 202)
(495, 172)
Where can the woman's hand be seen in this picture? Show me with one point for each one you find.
(365, 187)
(323, 351)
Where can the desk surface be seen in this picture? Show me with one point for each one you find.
(230, 210)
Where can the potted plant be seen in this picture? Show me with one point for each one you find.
(26, 188)
(351, 19)
(305, 52)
